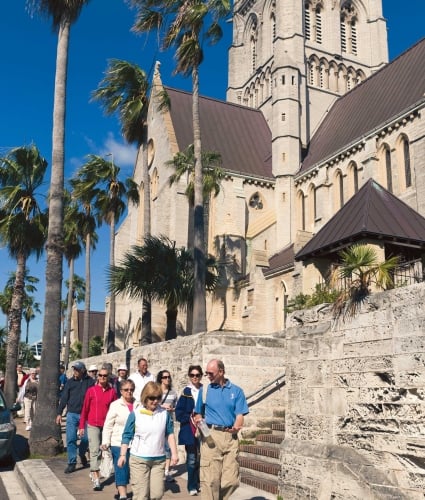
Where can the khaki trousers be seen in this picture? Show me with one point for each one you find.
(147, 478)
(219, 472)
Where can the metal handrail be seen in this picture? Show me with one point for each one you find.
(269, 384)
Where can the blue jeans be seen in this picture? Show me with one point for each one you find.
(192, 465)
(122, 474)
(72, 421)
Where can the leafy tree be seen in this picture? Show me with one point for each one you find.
(45, 436)
(359, 269)
(100, 179)
(23, 231)
(125, 91)
(95, 346)
(186, 24)
(162, 272)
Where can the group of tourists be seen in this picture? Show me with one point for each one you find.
(132, 417)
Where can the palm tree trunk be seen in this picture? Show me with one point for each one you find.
(146, 338)
(199, 299)
(46, 435)
(110, 344)
(69, 312)
(14, 334)
(171, 329)
(86, 322)
(27, 332)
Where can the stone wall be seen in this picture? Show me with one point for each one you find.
(356, 401)
(251, 361)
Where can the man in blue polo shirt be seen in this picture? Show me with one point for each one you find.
(223, 408)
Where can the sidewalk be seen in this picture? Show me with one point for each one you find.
(45, 479)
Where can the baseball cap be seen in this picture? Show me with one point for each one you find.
(79, 365)
(123, 367)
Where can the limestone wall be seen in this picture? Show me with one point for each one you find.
(356, 401)
(251, 361)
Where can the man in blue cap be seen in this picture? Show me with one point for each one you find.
(72, 398)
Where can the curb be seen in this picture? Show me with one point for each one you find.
(39, 482)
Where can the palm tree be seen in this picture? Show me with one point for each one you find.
(45, 436)
(101, 178)
(23, 232)
(125, 90)
(162, 272)
(358, 270)
(73, 239)
(183, 22)
(87, 225)
(30, 309)
(184, 163)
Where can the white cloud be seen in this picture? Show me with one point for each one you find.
(124, 154)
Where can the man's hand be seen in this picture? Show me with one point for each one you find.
(80, 433)
(58, 419)
(174, 459)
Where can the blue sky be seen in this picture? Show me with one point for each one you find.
(28, 53)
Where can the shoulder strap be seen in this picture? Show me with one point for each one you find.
(204, 398)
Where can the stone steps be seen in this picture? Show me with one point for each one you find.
(259, 462)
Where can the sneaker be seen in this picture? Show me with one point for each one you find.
(96, 485)
(193, 493)
(84, 461)
(70, 468)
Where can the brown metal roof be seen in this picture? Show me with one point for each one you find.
(372, 213)
(386, 94)
(281, 261)
(241, 135)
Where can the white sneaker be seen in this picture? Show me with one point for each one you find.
(193, 493)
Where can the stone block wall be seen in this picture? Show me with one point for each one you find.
(356, 401)
(251, 362)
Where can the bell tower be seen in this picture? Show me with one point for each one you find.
(293, 58)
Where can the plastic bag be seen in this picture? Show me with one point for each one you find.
(106, 468)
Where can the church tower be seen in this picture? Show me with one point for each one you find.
(292, 59)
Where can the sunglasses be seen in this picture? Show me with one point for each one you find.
(154, 398)
(197, 375)
(127, 390)
(166, 376)
(102, 375)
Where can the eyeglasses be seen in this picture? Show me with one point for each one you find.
(193, 375)
(166, 376)
(154, 398)
(127, 390)
(102, 375)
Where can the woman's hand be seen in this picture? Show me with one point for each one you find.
(104, 447)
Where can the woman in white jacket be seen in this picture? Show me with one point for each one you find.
(113, 428)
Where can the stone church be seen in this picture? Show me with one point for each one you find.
(322, 141)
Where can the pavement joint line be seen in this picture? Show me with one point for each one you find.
(40, 482)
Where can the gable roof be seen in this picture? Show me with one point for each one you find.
(392, 90)
(373, 212)
(241, 135)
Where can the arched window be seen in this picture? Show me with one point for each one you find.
(313, 20)
(253, 44)
(312, 206)
(348, 28)
(301, 210)
(387, 160)
(353, 176)
(406, 162)
(154, 184)
(338, 190)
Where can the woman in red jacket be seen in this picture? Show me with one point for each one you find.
(95, 407)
